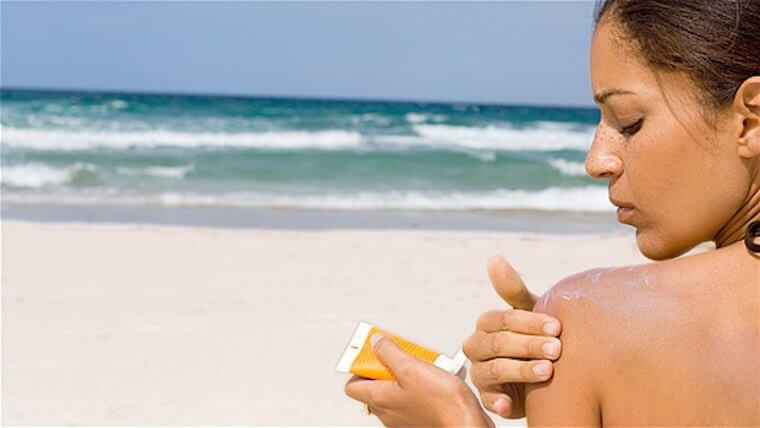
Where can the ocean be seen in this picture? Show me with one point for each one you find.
(129, 155)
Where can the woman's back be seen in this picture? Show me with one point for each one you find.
(668, 343)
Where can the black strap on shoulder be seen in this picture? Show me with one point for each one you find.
(753, 231)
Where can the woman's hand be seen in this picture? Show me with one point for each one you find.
(421, 394)
(511, 347)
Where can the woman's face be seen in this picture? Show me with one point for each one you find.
(678, 179)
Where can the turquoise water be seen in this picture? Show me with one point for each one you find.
(139, 149)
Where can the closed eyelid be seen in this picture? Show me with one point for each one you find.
(621, 120)
(632, 128)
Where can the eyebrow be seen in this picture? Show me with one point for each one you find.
(601, 97)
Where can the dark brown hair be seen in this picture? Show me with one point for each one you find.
(715, 42)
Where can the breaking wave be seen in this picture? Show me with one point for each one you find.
(578, 199)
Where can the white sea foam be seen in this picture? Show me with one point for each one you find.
(40, 175)
(485, 156)
(157, 171)
(45, 139)
(373, 118)
(579, 199)
(118, 104)
(415, 117)
(424, 117)
(544, 136)
(569, 168)
(541, 136)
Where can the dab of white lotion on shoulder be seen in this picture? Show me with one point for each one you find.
(360, 359)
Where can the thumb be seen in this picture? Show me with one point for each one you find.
(508, 284)
(390, 354)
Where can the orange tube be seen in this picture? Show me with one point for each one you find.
(360, 359)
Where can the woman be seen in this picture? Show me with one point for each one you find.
(677, 341)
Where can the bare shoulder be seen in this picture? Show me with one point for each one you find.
(641, 297)
(624, 327)
(614, 304)
(606, 315)
(629, 306)
(603, 294)
(585, 304)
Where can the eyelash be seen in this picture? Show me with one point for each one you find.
(632, 129)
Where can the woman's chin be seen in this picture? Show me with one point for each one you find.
(656, 247)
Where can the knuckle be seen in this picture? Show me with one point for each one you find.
(405, 371)
(496, 343)
(479, 347)
(507, 320)
(526, 372)
(476, 375)
(483, 320)
(529, 345)
(468, 346)
(480, 321)
(412, 369)
(493, 373)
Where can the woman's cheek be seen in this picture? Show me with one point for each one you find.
(656, 182)
(650, 176)
(675, 180)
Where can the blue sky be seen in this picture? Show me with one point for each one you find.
(507, 52)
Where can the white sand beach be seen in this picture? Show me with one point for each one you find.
(109, 324)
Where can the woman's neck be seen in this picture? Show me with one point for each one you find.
(736, 227)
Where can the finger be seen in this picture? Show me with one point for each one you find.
(490, 375)
(390, 354)
(498, 403)
(376, 393)
(483, 346)
(509, 285)
(519, 321)
(358, 388)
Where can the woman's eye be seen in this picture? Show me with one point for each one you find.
(632, 129)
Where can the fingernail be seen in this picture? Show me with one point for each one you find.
(551, 348)
(552, 327)
(375, 338)
(542, 369)
(500, 406)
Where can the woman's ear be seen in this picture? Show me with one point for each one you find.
(747, 104)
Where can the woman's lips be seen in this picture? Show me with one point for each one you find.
(624, 213)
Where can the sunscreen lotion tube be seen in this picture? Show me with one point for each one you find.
(360, 359)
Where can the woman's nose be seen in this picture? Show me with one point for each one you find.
(601, 161)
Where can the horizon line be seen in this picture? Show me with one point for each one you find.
(357, 99)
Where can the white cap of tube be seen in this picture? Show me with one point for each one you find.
(451, 365)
